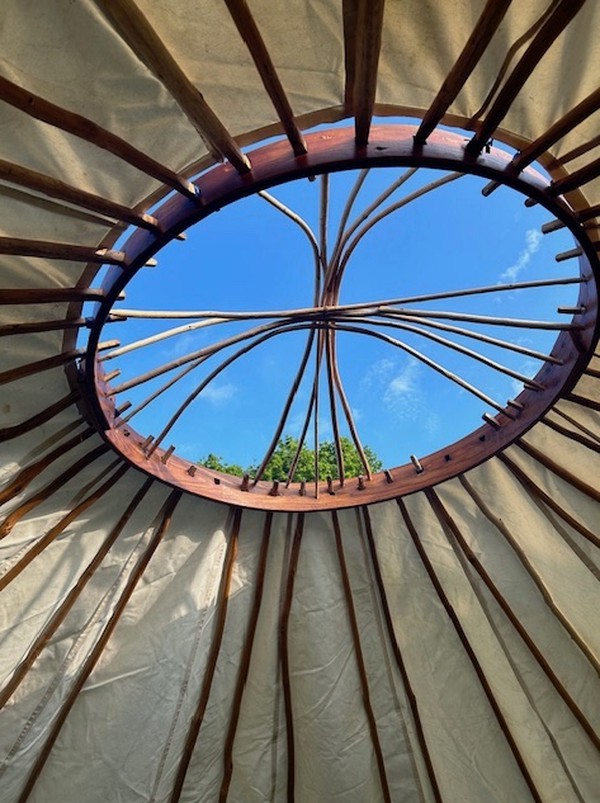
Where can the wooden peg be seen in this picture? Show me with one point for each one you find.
(275, 489)
(571, 310)
(245, 486)
(417, 464)
(167, 454)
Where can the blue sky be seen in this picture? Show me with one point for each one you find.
(251, 257)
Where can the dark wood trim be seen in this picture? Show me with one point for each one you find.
(24, 477)
(450, 525)
(360, 662)
(369, 25)
(47, 249)
(213, 655)
(55, 188)
(92, 659)
(8, 433)
(35, 327)
(466, 644)
(559, 470)
(562, 15)
(389, 623)
(47, 491)
(336, 150)
(236, 703)
(50, 295)
(548, 500)
(556, 132)
(86, 129)
(284, 623)
(37, 367)
(59, 615)
(135, 29)
(250, 33)
(485, 28)
(41, 544)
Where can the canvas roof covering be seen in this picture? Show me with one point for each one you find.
(157, 646)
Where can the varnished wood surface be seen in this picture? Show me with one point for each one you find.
(330, 151)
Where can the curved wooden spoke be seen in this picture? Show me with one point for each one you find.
(142, 405)
(347, 209)
(323, 216)
(429, 362)
(348, 411)
(407, 327)
(328, 335)
(213, 375)
(201, 354)
(344, 236)
(157, 338)
(347, 250)
(488, 320)
(494, 341)
(312, 408)
(287, 406)
(368, 306)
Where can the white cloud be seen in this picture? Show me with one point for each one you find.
(378, 372)
(532, 244)
(180, 345)
(219, 394)
(403, 383)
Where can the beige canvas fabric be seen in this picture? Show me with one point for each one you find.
(424, 661)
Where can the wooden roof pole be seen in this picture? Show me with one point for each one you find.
(363, 23)
(136, 30)
(89, 131)
(55, 188)
(250, 33)
(564, 12)
(485, 28)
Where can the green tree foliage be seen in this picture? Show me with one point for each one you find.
(279, 465)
